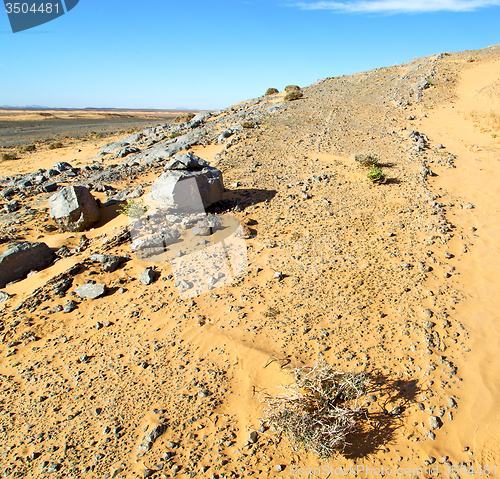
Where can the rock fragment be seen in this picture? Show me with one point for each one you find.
(91, 291)
(73, 208)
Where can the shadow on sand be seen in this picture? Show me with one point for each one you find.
(378, 428)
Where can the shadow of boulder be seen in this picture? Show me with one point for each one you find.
(242, 198)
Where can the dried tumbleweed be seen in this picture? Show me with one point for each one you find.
(319, 409)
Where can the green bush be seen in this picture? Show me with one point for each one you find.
(376, 175)
(290, 88)
(248, 124)
(8, 156)
(271, 91)
(293, 95)
(367, 160)
(54, 145)
(175, 134)
(133, 209)
(184, 117)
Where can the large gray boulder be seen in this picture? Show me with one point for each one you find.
(73, 208)
(188, 183)
(21, 258)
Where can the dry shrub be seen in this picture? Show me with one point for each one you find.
(8, 156)
(184, 117)
(367, 160)
(293, 95)
(319, 409)
(271, 91)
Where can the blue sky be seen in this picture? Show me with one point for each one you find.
(210, 54)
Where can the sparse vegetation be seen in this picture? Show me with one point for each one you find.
(271, 91)
(55, 144)
(271, 312)
(376, 175)
(293, 95)
(319, 409)
(8, 156)
(491, 118)
(290, 88)
(175, 134)
(184, 117)
(28, 148)
(367, 160)
(248, 124)
(133, 209)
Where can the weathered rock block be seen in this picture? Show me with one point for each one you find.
(23, 257)
(73, 208)
(188, 184)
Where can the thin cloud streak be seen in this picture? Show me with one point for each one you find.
(399, 6)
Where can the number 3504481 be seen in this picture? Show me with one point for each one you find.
(33, 8)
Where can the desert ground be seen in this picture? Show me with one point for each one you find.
(399, 280)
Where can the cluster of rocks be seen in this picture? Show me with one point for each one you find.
(420, 139)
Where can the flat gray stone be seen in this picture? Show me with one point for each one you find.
(91, 291)
(202, 231)
(158, 240)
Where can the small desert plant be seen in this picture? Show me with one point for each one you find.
(248, 124)
(290, 88)
(28, 148)
(133, 209)
(184, 117)
(271, 91)
(271, 312)
(367, 160)
(376, 175)
(55, 144)
(494, 135)
(293, 95)
(319, 409)
(175, 134)
(8, 156)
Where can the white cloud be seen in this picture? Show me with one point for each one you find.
(398, 6)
